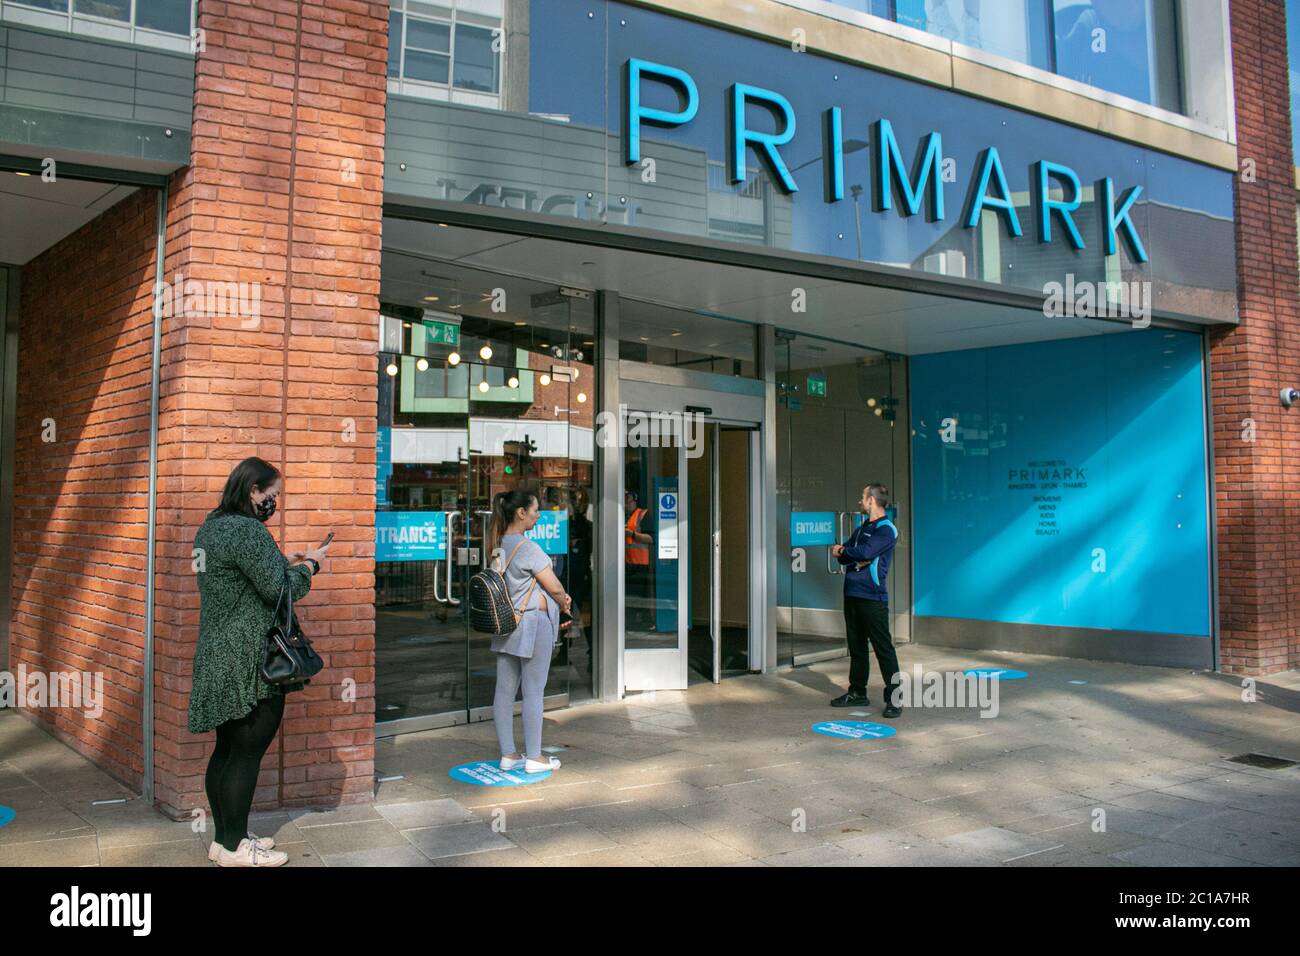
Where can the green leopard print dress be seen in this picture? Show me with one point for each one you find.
(239, 583)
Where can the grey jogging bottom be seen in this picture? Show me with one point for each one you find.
(531, 672)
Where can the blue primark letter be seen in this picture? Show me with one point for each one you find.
(1120, 217)
(634, 113)
(889, 162)
(764, 143)
(834, 148)
(992, 166)
(1063, 208)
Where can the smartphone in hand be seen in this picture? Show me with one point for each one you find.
(328, 538)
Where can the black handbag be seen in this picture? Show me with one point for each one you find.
(288, 661)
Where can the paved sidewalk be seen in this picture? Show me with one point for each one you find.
(733, 775)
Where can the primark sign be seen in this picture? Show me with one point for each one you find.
(1056, 190)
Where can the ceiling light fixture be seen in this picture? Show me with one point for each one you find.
(453, 359)
(391, 369)
(582, 397)
(422, 364)
(485, 352)
(483, 386)
(545, 379)
(513, 381)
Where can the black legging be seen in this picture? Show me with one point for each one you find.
(232, 771)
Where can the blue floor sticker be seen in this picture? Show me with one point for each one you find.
(6, 815)
(486, 773)
(1001, 673)
(853, 729)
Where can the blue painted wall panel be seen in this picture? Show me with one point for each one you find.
(1064, 452)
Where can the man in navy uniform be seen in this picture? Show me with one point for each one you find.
(866, 556)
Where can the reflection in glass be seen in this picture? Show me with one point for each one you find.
(1126, 47)
(446, 447)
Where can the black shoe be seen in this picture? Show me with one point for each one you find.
(851, 699)
(891, 711)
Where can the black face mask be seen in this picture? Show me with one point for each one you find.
(265, 509)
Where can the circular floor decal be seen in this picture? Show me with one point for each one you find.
(6, 815)
(487, 773)
(853, 729)
(1001, 673)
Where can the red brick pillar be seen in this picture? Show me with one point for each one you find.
(285, 190)
(1256, 440)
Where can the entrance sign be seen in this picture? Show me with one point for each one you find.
(668, 526)
(853, 729)
(488, 773)
(812, 528)
(410, 535)
(551, 532)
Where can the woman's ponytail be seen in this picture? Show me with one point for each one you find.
(504, 506)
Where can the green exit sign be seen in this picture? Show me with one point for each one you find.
(442, 333)
(817, 386)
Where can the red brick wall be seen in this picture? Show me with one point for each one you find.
(81, 500)
(1257, 500)
(285, 189)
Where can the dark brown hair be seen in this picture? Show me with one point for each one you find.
(248, 474)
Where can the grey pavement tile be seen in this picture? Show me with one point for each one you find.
(763, 839)
(192, 852)
(68, 851)
(999, 843)
(424, 813)
(560, 839)
(827, 854)
(513, 856)
(1166, 805)
(456, 839)
(404, 855)
(44, 823)
(304, 819)
(718, 855)
(604, 856)
(715, 815)
(1174, 854)
(346, 837)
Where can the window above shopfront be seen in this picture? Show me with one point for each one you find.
(1293, 57)
(447, 50)
(167, 24)
(1126, 47)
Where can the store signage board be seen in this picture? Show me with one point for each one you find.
(1057, 189)
(410, 535)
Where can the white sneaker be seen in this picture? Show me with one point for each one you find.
(266, 843)
(250, 854)
(511, 763)
(541, 766)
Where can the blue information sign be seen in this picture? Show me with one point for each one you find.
(6, 814)
(410, 535)
(487, 773)
(551, 532)
(812, 528)
(1001, 673)
(853, 729)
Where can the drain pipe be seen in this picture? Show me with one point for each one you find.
(150, 561)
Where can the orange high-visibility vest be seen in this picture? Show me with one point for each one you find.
(637, 553)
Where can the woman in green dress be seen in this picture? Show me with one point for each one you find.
(240, 574)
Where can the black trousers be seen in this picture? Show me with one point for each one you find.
(232, 770)
(866, 625)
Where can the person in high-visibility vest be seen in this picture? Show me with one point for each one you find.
(636, 560)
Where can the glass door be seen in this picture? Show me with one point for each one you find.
(837, 410)
(656, 554)
(485, 386)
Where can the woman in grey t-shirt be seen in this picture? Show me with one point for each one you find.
(524, 655)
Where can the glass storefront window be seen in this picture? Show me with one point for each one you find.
(838, 409)
(486, 384)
